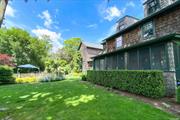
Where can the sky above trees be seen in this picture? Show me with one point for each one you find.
(90, 20)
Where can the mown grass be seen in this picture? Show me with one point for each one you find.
(72, 100)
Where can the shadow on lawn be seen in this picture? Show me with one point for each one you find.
(70, 101)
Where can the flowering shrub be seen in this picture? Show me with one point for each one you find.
(26, 80)
(51, 78)
(6, 60)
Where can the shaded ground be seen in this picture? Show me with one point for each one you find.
(167, 104)
(72, 100)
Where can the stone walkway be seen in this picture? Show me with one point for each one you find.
(166, 104)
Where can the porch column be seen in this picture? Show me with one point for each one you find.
(170, 76)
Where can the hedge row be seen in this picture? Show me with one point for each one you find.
(6, 75)
(178, 94)
(147, 83)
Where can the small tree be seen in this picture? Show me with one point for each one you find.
(6, 59)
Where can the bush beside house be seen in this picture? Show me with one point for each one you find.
(147, 83)
(6, 75)
(178, 94)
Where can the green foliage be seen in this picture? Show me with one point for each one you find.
(71, 55)
(23, 47)
(178, 94)
(6, 75)
(56, 66)
(147, 83)
(84, 77)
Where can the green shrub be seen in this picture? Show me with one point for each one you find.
(83, 77)
(147, 83)
(178, 94)
(6, 75)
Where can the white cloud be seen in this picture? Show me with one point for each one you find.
(53, 36)
(92, 26)
(130, 4)
(10, 11)
(109, 13)
(47, 18)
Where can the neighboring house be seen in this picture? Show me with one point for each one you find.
(150, 43)
(3, 4)
(88, 50)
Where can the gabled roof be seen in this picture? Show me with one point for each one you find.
(91, 45)
(121, 19)
(140, 22)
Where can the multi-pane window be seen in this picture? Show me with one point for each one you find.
(153, 6)
(118, 42)
(147, 30)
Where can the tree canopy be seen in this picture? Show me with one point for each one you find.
(67, 59)
(23, 47)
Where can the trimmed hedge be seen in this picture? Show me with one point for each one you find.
(83, 77)
(148, 83)
(178, 94)
(6, 75)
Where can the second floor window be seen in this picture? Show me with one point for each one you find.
(153, 6)
(119, 42)
(147, 30)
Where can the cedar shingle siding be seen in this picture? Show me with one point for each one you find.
(152, 43)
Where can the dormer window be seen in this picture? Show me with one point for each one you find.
(153, 6)
(147, 30)
(118, 42)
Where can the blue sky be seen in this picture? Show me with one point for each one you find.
(91, 20)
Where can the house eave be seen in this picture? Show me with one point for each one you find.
(155, 40)
(162, 11)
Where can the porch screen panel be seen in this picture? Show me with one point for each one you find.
(177, 59)
(159, 57)
(120, 61)
(102, 67)
(109, 63)
(132, 63)
(144, 58)
(97, 64)
(114, 61)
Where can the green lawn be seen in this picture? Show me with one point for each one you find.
(72, 100)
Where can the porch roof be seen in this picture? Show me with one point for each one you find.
(173, 36)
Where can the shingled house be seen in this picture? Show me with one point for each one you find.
(88, 50)
(150, 43)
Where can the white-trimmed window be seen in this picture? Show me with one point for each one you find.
(153, 6)
(119, 42)
(148, 30)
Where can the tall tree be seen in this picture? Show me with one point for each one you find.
(70, 54)
(23, 47)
